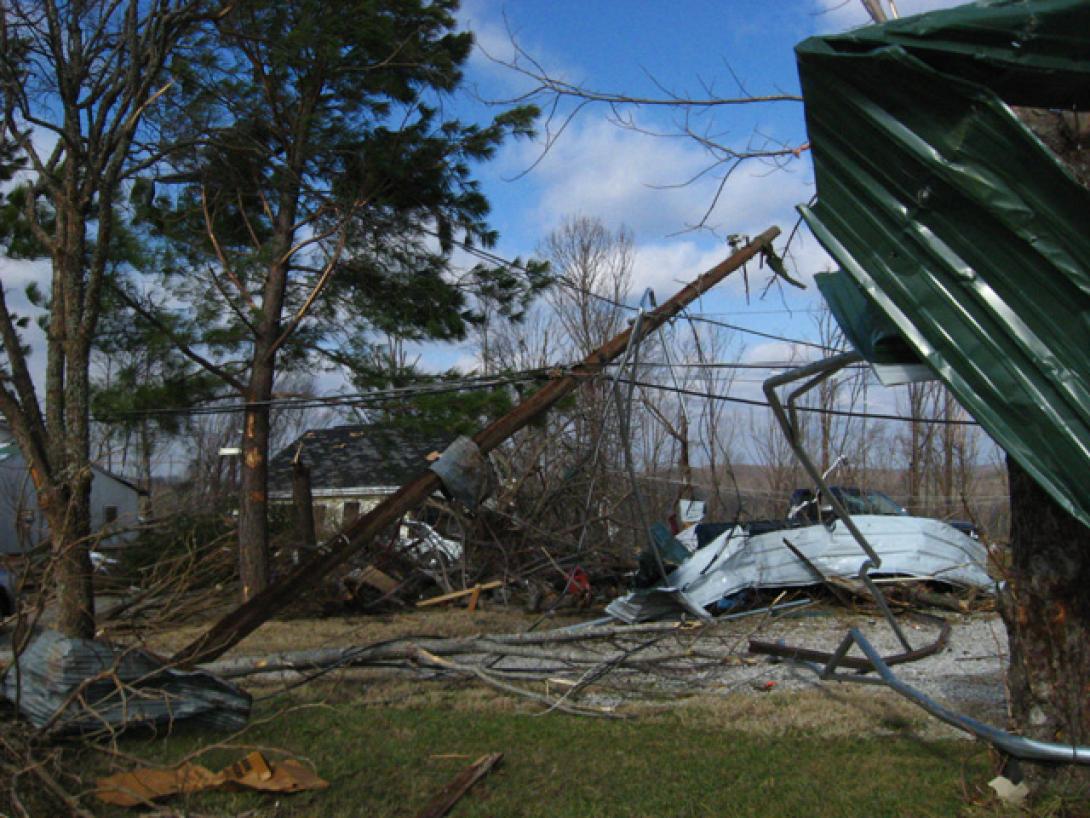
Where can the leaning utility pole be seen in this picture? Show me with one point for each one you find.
(246, 618)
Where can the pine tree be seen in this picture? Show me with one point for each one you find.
(324, 193)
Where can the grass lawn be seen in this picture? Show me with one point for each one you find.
(389, 761)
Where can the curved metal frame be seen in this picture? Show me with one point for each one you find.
(816, 373)
(1019, 747)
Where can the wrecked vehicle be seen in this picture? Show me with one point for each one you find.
(744, 557)
(806, 506)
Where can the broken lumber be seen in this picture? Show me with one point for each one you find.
(379, 580)
(450, 794)
(474, 592)
(250, 615)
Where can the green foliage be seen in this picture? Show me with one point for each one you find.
(325, 125)
(461, 412)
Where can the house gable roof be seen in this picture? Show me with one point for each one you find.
(11, 455)
(347, 457)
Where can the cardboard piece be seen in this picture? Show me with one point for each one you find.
(254, 772)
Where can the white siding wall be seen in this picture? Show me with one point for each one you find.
(19, 500)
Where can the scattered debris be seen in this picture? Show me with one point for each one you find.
(254, 772)
(66, 685)
(756, 557)
(1006, 790)
(441, 804)
(473, 593)
(799, 654)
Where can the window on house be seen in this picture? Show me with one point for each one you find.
(111, 514)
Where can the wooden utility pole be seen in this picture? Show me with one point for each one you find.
(247, 617)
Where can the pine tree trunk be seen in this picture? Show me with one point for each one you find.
(1046, 608)
(65, 493)
(253, 506)
(67, 513)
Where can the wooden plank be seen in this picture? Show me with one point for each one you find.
(474, 598)
(378, 580)
(238, 623)
(446, 798)
(476, 589)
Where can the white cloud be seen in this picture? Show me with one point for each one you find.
(666, 267)
(840, 15)
(777, 352)
(625, 177)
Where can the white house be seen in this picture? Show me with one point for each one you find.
(116, 504)
(352, 468)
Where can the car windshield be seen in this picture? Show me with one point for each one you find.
(870, 502)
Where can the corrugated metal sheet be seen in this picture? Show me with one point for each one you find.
(908, 546)
(118, 688)
(958, 224)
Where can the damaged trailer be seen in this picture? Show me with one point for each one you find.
(738, 560)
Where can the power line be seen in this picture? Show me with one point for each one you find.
(692, 393)
(486, 255)
(759, 365)
(349, 399)
(483, 382)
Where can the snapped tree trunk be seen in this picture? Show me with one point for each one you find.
(1046, 608)
(303, 501)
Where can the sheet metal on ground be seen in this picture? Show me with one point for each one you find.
(912, 546)
(80, 685)
(958, 224)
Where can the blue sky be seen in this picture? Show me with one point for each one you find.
(623, 177)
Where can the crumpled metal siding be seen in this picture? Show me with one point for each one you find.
(119, 687)
(908, 546)
(958, 224)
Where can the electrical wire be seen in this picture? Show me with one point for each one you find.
(817, 410)
(480, 383)
(493, 258)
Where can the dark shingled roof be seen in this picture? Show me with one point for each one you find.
(346, 457)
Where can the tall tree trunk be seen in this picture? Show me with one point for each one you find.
(1046, 605)
(65, 492)
(1046, 608)
(68, 516)
(949, 504)
(253, 507)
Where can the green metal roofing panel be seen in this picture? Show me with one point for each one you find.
(866, 327)
(956, 222)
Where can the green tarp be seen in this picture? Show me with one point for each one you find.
(956, 222)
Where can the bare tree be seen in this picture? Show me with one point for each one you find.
(78, 77)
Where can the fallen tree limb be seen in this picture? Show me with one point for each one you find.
(240, 622)
(441, 804)
(489, 679)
